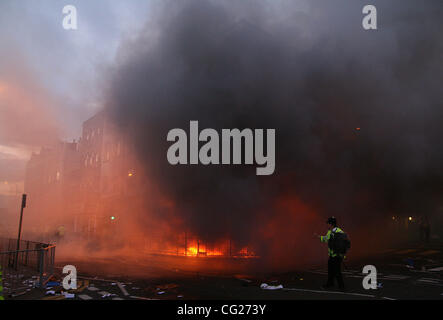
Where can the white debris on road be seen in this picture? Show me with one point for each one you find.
(265, 286)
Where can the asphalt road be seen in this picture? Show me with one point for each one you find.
(412, 272)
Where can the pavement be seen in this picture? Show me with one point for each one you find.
(409, 272)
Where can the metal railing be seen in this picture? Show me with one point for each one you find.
(29, 267)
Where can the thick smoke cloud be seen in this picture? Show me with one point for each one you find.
(310, 71)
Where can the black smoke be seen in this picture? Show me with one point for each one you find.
(358, 114)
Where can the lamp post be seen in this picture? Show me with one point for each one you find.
(20, 229)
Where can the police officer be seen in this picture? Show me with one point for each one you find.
(335, 260)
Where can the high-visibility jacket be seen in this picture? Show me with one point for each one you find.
(327, 237)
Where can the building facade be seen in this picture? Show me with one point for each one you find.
(85, 186)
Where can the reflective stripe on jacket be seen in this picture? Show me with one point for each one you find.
(327, 237)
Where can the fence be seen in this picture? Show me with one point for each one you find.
(186, 245)
(29, 267)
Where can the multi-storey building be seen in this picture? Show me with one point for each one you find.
(51, 180)
(85, 186)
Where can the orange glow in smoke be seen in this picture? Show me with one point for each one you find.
(195, 251)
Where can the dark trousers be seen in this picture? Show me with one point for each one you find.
(334, 272)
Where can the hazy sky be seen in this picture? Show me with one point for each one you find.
(50, 78)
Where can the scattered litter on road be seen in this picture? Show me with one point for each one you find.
(50, 292)
(69, 295)
(160, 292)
(53, 284)
(106, 294)
(102, 293)
(84, 297)
(379, 285)
(265, 286)
(93, 289)
(180, 296)
(409, 263)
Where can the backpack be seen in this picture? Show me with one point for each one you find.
(339, 243)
